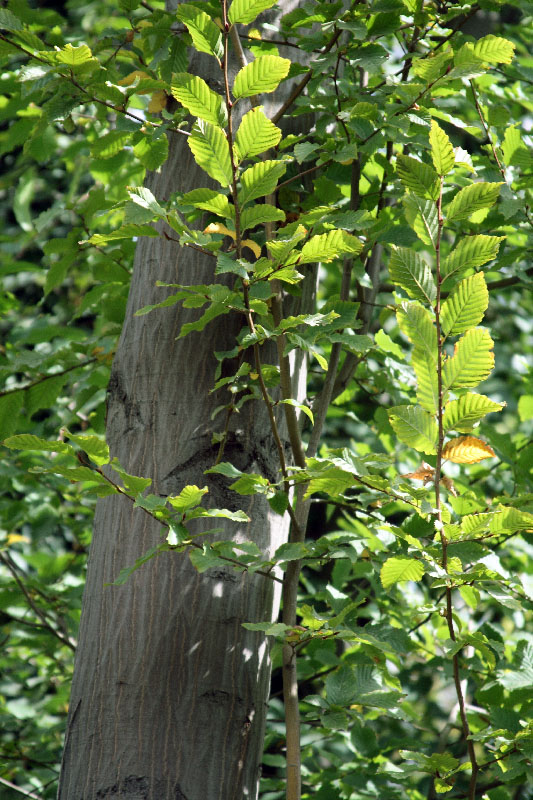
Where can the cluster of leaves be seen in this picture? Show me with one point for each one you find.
(400, 591)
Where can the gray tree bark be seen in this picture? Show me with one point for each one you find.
(169, 693)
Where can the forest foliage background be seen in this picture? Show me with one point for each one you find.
(88, 98)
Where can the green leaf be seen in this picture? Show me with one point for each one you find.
(341, 688)
(261, 75)
(327, 246)
(209, 200)
(395, 570)
(305, 409)
(429, 69)
(463, 413)
(210, 150)
(415, 427)
(144, 198)
(205, 35)
(472, 198)
(417, 324)
(43, 394)
(472, 361)
(258, 214)
(125, 572)
(466, 305)
(189, 497)
(10, 408)
(74, 56)
(256, 134)
(408, 270)
(96, 448)
(425, 366)
(494, 50)
(27, 441)
(132, 483)
(441, 149)
(246, 11)
(9, 22)
(260, 180)
(124, 232)
(472, 251)
(110, 144)
(196, 96)
(152, 152)
(422, 217)
(419, 178)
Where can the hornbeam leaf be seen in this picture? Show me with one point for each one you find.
(327, 246)
(472, 361)
(472, 251)
(260, 180)
(27, 441)
(260, 213)
(74, 56)
(462, 414)
(494, 50)
(209, 200)
(246, 11)
(466, 305)
(441, 149)
(196, 96)
(425, 367)
(422, 217)
(467, 450)
(395, 570)
(415, 427)
(473, 198)
(418, 177)
(416, 323)
(261, 75)
(205, 35)
(509, 519)
(210, 150)
(256, 134)
(408, 270)
(110, 144)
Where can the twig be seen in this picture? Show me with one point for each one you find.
(19, 790)
(486, 129)
(47, 378)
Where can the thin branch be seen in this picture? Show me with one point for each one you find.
(486, 129)
(47, 378)
(6, 560)
(19, 790)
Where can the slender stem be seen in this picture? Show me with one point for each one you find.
(438, 506)
(47, 377)
(486, 129)
(49, 627)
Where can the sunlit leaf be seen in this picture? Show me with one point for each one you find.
(327, 246)
(467, 450)
(255, 134)
(464, 412)
(246, 11)
(206, 36)
(210, 149)
(395, 570)
(466, 305)
(441, 149)
(194, 93)
(472, 198)
(414, 427)
(418, 177)
(472, 361)
(260, 180)
(410, 271)
(472, 251)
(263, 74)
(494, 49)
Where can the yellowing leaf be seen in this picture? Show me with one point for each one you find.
(158, 102)
(218, 227)
(467, 450)
(13, 538)
(137, 74)
(253, 246)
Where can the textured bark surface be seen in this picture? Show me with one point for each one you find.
(169, 694)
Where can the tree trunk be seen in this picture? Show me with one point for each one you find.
(169, 693)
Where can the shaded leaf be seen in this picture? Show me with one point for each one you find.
(419, 178)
